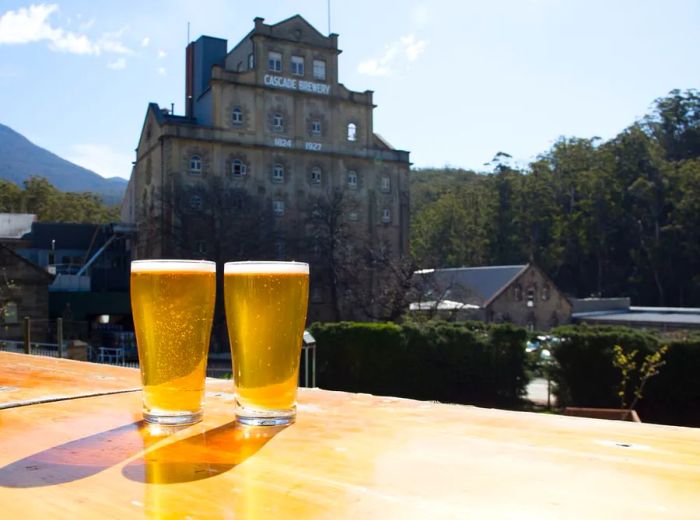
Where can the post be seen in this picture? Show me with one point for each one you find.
(27, 335)
(59, 336)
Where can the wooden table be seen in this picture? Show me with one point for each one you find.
(348, 456)
(34, 379)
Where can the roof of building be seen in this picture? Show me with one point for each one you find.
(474, 285)
(644, 315)
(67, 236)
(15, 225)
(49, 277)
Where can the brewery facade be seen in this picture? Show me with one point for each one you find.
(274, 159)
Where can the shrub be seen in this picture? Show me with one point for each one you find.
(450, 362)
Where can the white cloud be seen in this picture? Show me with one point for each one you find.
(408, 48)
(118, 64)
(145, 42)
(412, 47)
(27, 25)
(31, 24)
(161, 71)
(102, 159)
(162, 54)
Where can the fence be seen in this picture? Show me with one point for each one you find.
(117, 354)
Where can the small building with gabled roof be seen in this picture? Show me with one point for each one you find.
(519, 294)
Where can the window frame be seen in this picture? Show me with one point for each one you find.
(298, 64)
(278, 173)
(274, 64)
(199, 204)
(316, 175)
(195, 164)
(386, 215)
(278, 122)
(242, 168)
(278, 207)
(351, 135)
(385, 185)
(319, 65)
(237, 112)
(316, 128)
(352, 179)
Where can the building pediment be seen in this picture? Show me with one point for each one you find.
(296, 29)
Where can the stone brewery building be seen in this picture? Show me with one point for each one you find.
(274, 159)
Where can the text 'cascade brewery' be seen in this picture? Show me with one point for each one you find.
(274, 159)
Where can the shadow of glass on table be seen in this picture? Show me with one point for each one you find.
(200, 456)
(76, 459)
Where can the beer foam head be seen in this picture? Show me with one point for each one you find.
(160, 266)
(266, 268)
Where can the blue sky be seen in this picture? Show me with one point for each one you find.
(455, 81)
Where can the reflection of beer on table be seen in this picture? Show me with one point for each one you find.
(265, 313)
(173, 305)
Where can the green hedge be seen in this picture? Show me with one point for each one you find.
(585, 375)
(448, 362)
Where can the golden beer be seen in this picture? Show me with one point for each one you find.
(265, 313)
(172, 303)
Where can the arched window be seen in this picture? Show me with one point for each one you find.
(237, 116)
(278, 122)
(195, 165)
(277, 173)
(316, 175)
(196, 202)
(238, 168)
(352, 132)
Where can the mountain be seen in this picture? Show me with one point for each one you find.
(21, 159)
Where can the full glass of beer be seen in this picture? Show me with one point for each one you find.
(172, 303)
(265, 312)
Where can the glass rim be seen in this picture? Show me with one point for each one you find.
(172, 264)
(266, 267)
(178, 260)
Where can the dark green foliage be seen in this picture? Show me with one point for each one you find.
(673, 396)
(449, 362)
(586, 376)
(52, 205)
(614, 218)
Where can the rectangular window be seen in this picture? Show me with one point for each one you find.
(319, 69)
(278, 173)
(316, 127)
(251, 61)
(297, 65)
(352, 179)
(278, 208)
(274, 61)
(386, 215)
(386, 184)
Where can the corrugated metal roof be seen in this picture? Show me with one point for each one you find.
(687, 317)
(475, 285)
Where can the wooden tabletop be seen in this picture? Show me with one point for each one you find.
(348, 456)
(30, 379)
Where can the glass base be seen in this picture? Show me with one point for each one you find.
(171, 418)
(256, 417)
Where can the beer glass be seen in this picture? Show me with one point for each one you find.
(172, 303)
(265, 314)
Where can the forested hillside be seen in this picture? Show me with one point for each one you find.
(39, 196)
(610, 218)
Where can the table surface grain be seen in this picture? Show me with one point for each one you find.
(348, 456)
(30, 379)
